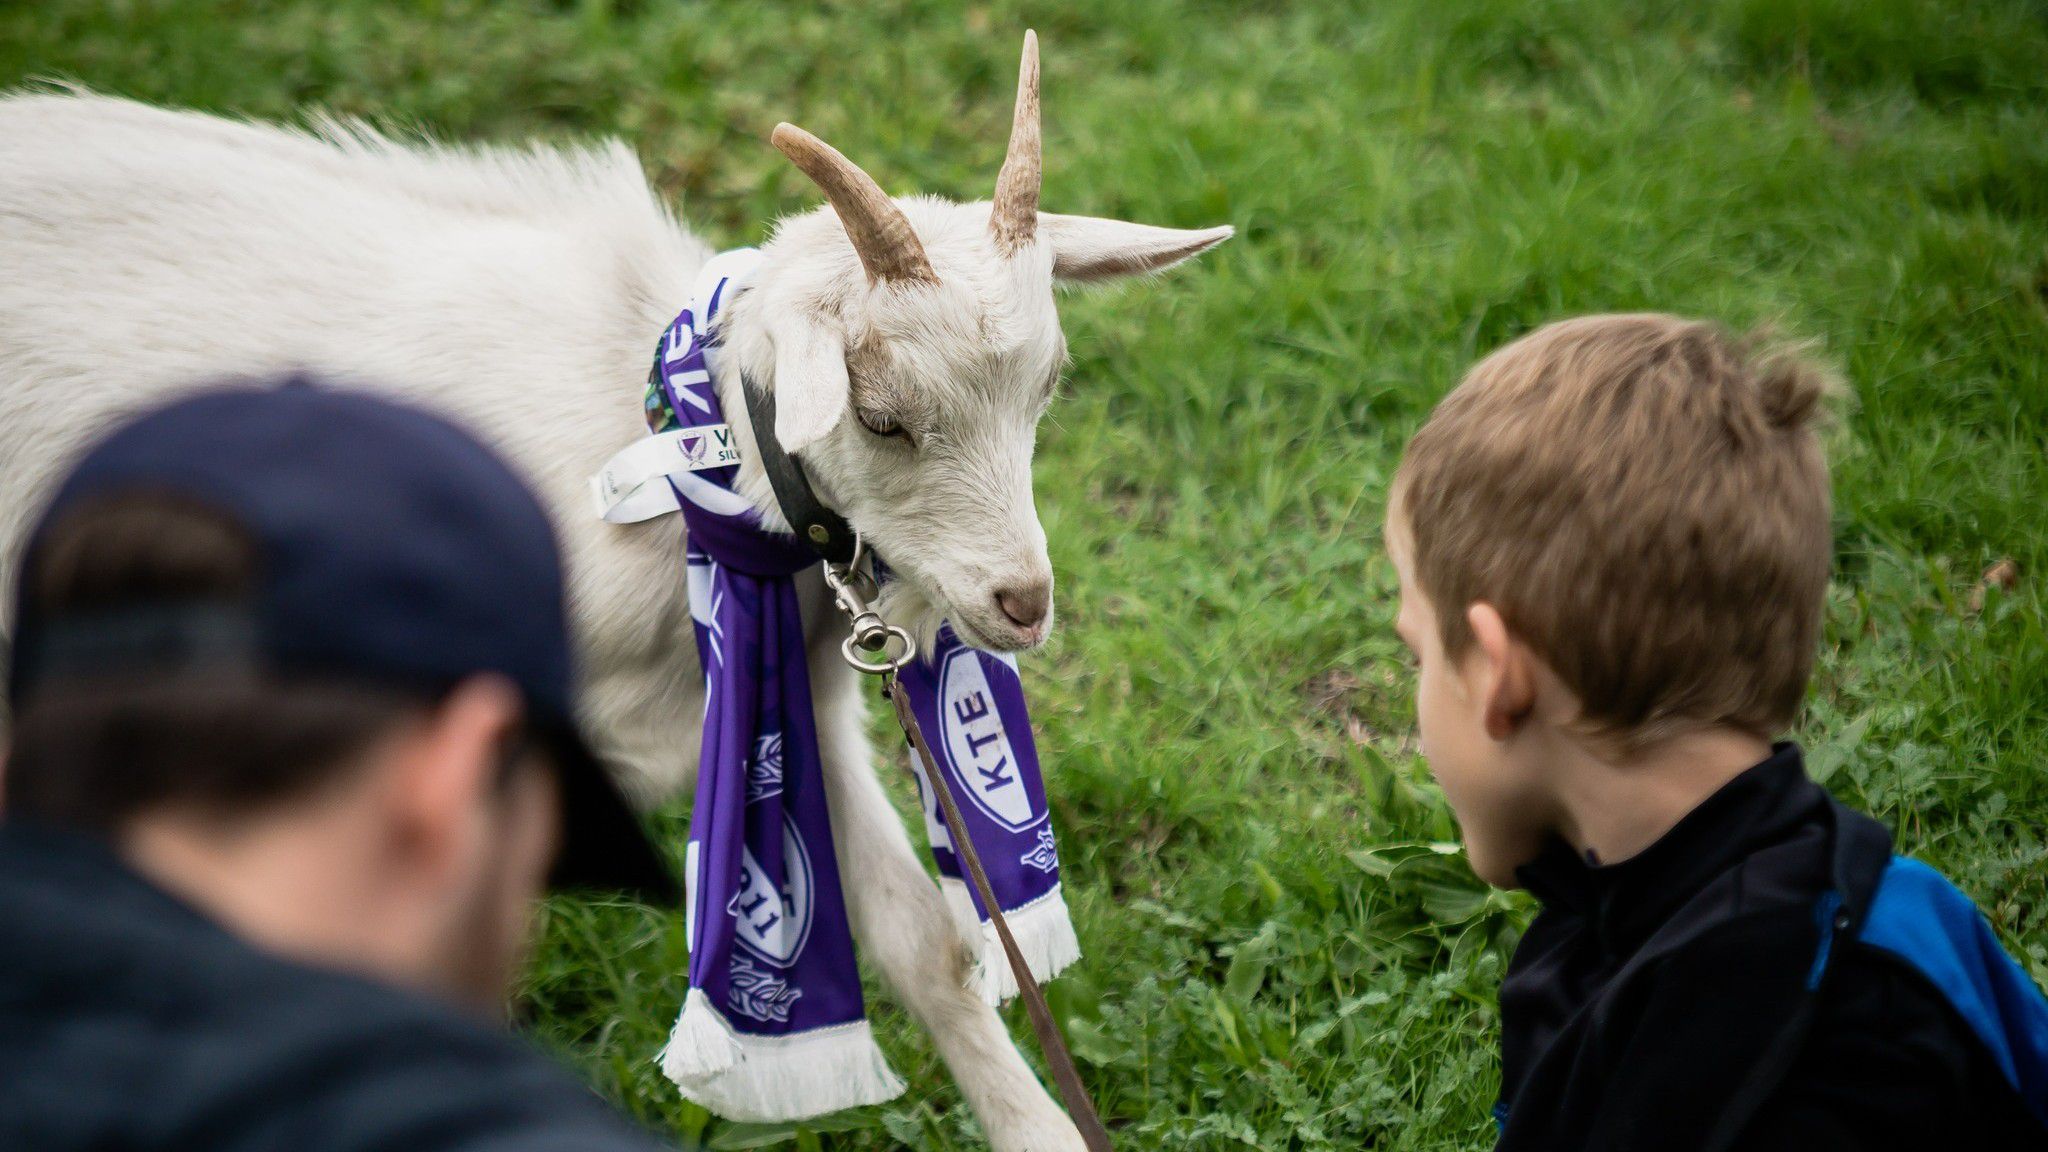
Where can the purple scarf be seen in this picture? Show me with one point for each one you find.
(774, 1027)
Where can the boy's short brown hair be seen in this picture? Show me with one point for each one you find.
(1645, 501)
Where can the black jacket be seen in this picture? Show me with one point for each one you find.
(130, 1023)
(1725, 989)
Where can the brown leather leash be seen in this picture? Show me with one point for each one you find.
(867, 649)
(1080, 1108)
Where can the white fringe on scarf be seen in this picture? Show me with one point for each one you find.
(1044, 932)
(768, 1078)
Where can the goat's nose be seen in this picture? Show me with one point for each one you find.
(1026, 604)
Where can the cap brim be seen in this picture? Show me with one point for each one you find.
(604, 845)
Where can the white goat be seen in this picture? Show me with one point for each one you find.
(911, 344)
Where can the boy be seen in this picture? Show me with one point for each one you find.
(1613, 544)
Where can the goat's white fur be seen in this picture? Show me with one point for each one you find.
(149, 251)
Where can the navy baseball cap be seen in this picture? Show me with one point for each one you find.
(394, 548)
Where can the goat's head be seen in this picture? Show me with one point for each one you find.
(913, 345)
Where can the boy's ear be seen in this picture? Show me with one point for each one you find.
(1508, 692)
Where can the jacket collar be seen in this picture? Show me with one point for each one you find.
(46, 855)
(1624, 902)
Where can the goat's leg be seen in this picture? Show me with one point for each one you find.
(903, 926)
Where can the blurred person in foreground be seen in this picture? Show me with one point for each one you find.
(291, 760)
(1613, 546)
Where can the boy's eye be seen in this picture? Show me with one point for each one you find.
(882, 425)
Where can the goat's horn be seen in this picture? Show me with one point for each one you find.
(881, 233)
(1013, 218)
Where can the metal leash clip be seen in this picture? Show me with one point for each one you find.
(866, 648)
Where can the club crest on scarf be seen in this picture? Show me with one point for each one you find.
(1044, 855)
(774, 919)
(760, 995)
(764, 771)
(773, 1026)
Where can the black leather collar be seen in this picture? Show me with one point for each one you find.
(826, 531)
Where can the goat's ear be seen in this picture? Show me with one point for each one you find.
(1086, 249)
(811, 388)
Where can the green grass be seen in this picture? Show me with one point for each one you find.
(1275, 958)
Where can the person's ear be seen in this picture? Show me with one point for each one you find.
(1507, 685)
(444, 769)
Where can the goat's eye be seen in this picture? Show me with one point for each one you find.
(882, 425)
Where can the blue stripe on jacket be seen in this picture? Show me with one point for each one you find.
(1918, 916)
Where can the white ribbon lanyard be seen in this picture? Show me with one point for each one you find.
(633, 484)
(639, 482)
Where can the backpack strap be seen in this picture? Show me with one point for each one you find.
(1863, 852)
(1862, 848)
(1903, 907)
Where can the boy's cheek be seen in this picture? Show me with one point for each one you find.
(1503, 812)
(1493, 809)
(1500, 841)
(1504, 820)
(1496, 812)
(1448, 739)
